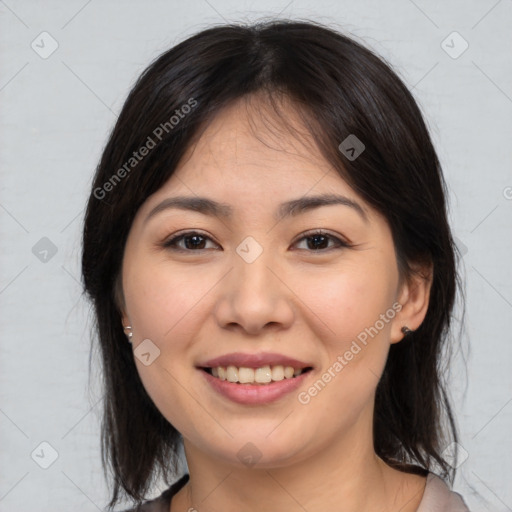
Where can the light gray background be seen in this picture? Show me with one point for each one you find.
(56, 114)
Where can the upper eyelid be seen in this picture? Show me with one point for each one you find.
(339, 240)
(178, 236)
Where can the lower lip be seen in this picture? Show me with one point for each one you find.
(255, 393)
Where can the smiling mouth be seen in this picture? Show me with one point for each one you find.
(262, 375)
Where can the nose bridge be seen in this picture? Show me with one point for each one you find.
(252, 275)
(253, 296)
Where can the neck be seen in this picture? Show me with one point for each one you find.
(347, 476)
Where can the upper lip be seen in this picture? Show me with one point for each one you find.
(254, 360)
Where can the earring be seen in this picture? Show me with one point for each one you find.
(406, 331)
(129, 334)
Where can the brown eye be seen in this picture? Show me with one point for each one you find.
(191, 241)
(318, 241)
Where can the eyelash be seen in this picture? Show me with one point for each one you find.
(171, 242)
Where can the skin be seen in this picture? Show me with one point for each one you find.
(305, 303)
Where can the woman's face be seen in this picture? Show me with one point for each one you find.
(255, 287)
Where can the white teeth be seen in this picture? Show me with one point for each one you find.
(288, 372)
(262, 375)
(277, 373)
(232, 373)
(245, 375)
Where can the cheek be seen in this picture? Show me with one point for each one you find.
(348, 301)
(162, 298)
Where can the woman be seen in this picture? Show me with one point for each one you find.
(267, 251)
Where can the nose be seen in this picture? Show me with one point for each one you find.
(254, 297)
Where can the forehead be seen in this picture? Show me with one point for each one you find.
(251, 146)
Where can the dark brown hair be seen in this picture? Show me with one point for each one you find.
(340, 88)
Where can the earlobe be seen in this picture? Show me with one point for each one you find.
(414, 299)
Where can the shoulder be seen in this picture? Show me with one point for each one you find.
(438, 497)
(161, 503)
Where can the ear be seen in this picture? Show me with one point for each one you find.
(119, 301)
(413, 296)
(125, 320)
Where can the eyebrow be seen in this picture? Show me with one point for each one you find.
(288, 209)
